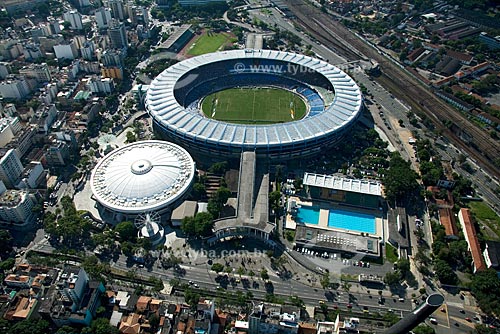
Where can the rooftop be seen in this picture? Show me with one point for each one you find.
(369, 187)
(142, 176)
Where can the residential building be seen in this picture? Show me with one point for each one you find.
(73, 300)
(9, 126)
(100, 85)
(57, 153)
(88, 50)
(74, 18)
(103, 17)
(15, 87)
(491, 255)
(22, 307)
(33, 176)
(117, 35)
(117, 9)
(18, 281)
(16, 208)
(10, 167)
(110, 58)
(44, 118)
(112, 72)
(493, 43)
(66, 50)
(465, 218)
(22, 141)
(16, 6)
(39, 72)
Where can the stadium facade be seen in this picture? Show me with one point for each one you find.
(174, 97)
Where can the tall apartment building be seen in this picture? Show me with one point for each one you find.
(117, 9)
(103, 17)
(117, 35)
(16, 208)
(15, 87)
(74, 18)
(66, 50)
(10, 167)
(39, 72)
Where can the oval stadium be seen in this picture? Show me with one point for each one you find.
(175, 98)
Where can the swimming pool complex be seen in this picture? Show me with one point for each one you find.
(346, 220)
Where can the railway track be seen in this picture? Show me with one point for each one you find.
(399, 82)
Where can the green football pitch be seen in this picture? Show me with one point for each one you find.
(254, 106)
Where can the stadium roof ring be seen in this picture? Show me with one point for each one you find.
(172, 102)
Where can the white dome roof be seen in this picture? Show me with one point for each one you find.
(141, 176)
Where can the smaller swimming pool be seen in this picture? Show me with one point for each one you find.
(353, 221)
(308, 215)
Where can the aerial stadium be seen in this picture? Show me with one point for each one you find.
(313, 105)
(141, 177)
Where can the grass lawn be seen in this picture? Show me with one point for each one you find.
(254, 106)
(485, 215)
(208, 42)
(391, 253)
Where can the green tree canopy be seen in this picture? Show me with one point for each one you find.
(126, 230)
(30, 327)
(444, 272)
(400, 180)
(423, 329)
(485, 286)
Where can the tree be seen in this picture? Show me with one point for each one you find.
(94, 267)
(241, 271)
(126, 230)
(199, 191)
(5, 242)
(203, 223)
(263, 274)
(30, 327)
(219, 168)
(485, 286)
(217, 267)
(66, 330)
(400, 180)
(444, 272)
(392, 278)
(154, 320)
(131, 137)
(346, 286)
(403, 266)
(200, 225)
(191, 297)
(325, 280)
(100, 326)
(274, 200)
(423, 329)
(484, 329)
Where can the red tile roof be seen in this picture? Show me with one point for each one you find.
(471, 238)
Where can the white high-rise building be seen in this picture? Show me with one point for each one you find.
(66, 50)
(75, 19)
(16, 206)
(10, 167)
(103, 17)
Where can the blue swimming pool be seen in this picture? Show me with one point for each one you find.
(308, 215)
(347, 220)
(353, 221)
